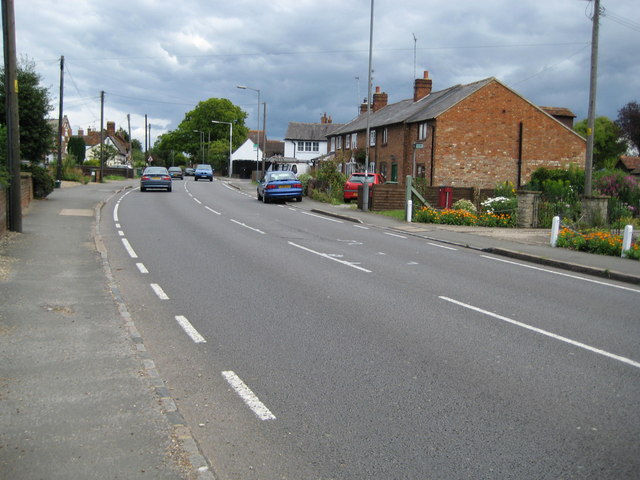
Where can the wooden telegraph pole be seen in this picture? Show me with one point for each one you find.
(13, 119)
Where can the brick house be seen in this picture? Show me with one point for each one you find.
(111, 137)
(474, 135)
(67, 133)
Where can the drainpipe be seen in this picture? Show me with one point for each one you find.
(520, 135)
(433, 153)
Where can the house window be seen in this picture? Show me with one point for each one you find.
(333, 144)
(422, 131)
(385, 136)
(354, 140)
(347, 142)
(339, 143)
(372, 138)
(301, 146)
(383, 169)
(315, 146)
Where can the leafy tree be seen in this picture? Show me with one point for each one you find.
(34, 105)
(608, 142)
(78, 148)
(629, 123)
(188, 139)
(108, 152)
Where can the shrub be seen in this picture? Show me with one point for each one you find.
(463, 217)
(43, 183)
(599, 242)
(304, 179)
(465, 205)
(500, 205)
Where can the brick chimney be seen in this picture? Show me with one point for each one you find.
(422, 87)
(111, 129)
(325, 119)
(380, 100)
(363, 106)
(80, 132)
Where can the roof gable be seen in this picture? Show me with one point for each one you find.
(310, 131)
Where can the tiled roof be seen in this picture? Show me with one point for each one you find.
(427, 108)
(310, 131)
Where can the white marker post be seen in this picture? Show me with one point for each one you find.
(555, 230)
(626, 240)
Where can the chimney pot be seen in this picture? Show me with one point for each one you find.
(422, 87)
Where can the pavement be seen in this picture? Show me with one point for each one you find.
(79, 395)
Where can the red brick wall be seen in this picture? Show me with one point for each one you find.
(26, 196)
(477, 141)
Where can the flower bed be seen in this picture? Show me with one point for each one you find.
(463, 217)
(602, 243)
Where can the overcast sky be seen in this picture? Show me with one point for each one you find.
(308, 57)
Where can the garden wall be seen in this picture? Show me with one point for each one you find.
(26, 196)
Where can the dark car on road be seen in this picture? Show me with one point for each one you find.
(203, 171)
(176, 172)
(188, 172)
(155, 178)
(279, 185)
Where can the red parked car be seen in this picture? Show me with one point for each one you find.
(357, 179)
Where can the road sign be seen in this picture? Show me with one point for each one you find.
(418, 145)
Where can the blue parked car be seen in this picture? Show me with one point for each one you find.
(203, 171)
(279, 185)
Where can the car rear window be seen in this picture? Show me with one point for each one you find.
(283, 176)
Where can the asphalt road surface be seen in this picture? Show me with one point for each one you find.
(307, 347)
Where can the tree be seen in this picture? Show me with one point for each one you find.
(608, 142)
(629, 123)
(34, 105)
(108, 152)
(78, 148)
(188, 139)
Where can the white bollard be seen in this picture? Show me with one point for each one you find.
(555, 230)
(626, 240)
(409, 210)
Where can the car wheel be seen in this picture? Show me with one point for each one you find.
(142, 189)
(259, 196)
(211, 179)
(265, 199)
(298, 199)
(195, 179)
(168, 189)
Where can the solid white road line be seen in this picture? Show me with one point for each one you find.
(128, 248)
(546, 333)
(252, 401)
(189, 329)
(197, 201)
(115, 212)
(142, 268)
(394, 235)
(330, 257)
(213, 211)
(442, 246)
(159, 292)
(584, 279)
(247, 226)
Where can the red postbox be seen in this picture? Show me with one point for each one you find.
(445, 197)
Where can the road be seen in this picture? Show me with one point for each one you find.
(302, 346)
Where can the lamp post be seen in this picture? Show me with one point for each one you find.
(243, 87)
(230, 139)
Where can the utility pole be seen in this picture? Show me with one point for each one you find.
(365, 187)
(102, 136)
(59, 169)
(130, 140)
(145, 138)
(13, 120)
(264, 138)
(591, 121)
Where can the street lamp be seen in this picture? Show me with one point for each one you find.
(230, 138)
(243, 87)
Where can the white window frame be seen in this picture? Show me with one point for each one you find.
(422, 131)
(385, 136)
(372, 138)
(347, 142)
(354, 140)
